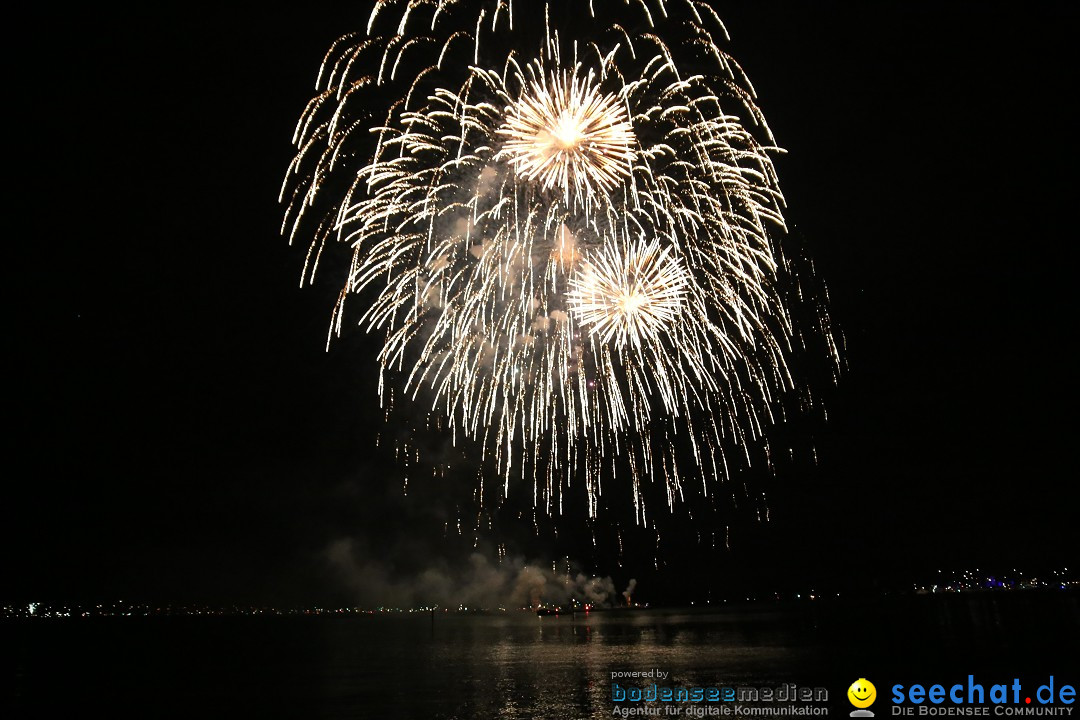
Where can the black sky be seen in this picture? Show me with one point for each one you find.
(178, 432)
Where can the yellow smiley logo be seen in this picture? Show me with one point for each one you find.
(862, 693)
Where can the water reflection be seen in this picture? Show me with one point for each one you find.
(515, 664)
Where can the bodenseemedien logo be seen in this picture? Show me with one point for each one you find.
(862, 694)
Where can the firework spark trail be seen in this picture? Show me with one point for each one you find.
(566, 245)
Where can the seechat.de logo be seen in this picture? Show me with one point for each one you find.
(1006, 698)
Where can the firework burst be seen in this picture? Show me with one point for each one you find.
(628, 295)
(563, 242)
(565, 135)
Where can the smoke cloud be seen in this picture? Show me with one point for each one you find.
(478, 583)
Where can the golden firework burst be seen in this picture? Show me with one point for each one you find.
(564, 134)
(628, 294)
(566, 250)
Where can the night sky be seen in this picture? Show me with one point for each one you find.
(178, 433)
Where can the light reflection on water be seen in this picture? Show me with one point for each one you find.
(524, 667)
(514, 665)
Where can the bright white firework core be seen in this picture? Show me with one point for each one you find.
(628, 294)
(564, 134)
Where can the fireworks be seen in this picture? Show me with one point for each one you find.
(628, 295)
(564, 242)
(568, 136)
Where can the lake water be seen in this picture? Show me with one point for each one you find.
(517, 665)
